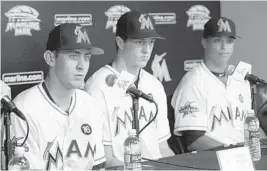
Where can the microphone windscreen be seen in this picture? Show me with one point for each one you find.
(229, 70)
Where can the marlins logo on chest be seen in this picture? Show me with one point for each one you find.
(123, 118)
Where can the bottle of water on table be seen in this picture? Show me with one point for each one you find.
(132, 152)
(18, 160)
(252, 135)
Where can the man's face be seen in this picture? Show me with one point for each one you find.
(138, 51)
(72, 66)
(219, 49)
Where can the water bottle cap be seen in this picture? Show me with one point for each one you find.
(19, 150)
(251, 112)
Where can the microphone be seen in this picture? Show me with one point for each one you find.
(243, 72)
(229, 70)
(5, 90)
(254, 79)
(124, 83)
(138, 93)
(7, 104)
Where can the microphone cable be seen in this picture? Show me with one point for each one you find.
(27, 134)
(261, 107)
(151, 119)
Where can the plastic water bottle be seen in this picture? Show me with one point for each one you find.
(252, 135)
(18, 160)
(132, 152)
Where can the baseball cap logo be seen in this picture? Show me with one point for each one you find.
(145, 22)
(81, 36)
(223, 26)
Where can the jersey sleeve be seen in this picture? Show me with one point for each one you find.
(190, 108)
(163, 128)
(19, 130)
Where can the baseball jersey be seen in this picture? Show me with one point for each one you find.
(120, 116)
(59, 139)
(202, 102)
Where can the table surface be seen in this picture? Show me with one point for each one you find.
(204, 160)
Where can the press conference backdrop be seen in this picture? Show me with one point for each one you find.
(25, 27)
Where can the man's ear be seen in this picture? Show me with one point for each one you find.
(204, 42)
(50, 58)
(120, 42)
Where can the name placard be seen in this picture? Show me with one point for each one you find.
(235, 159)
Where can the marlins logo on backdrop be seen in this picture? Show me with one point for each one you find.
(113, 14)
(164, 18)
(82, 19)
(22, 19)
(160, 71)
(198, 15)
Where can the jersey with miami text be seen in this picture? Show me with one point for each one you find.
(59, 139)
(120, 115)
(202, 102)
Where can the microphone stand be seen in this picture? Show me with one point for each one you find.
(254, 92)
(135, 123)
(8, 144)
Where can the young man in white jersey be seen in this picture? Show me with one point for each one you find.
(210, 105)
(65, 123)
(135, 37)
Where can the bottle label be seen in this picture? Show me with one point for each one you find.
(132, 161)
(254, 134)
(132, 158)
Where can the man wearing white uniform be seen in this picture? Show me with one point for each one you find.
(135, 37)
(65, 123)
(210, 105)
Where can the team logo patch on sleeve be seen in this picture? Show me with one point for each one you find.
(188, 109)
(86, 129)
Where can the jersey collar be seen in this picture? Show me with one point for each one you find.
(44, 91)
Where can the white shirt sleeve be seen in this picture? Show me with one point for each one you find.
(163, 128)
(190, 108)
(19, 129)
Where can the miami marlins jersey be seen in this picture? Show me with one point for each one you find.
(202, 102)
(59, 139)
(120, 116)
